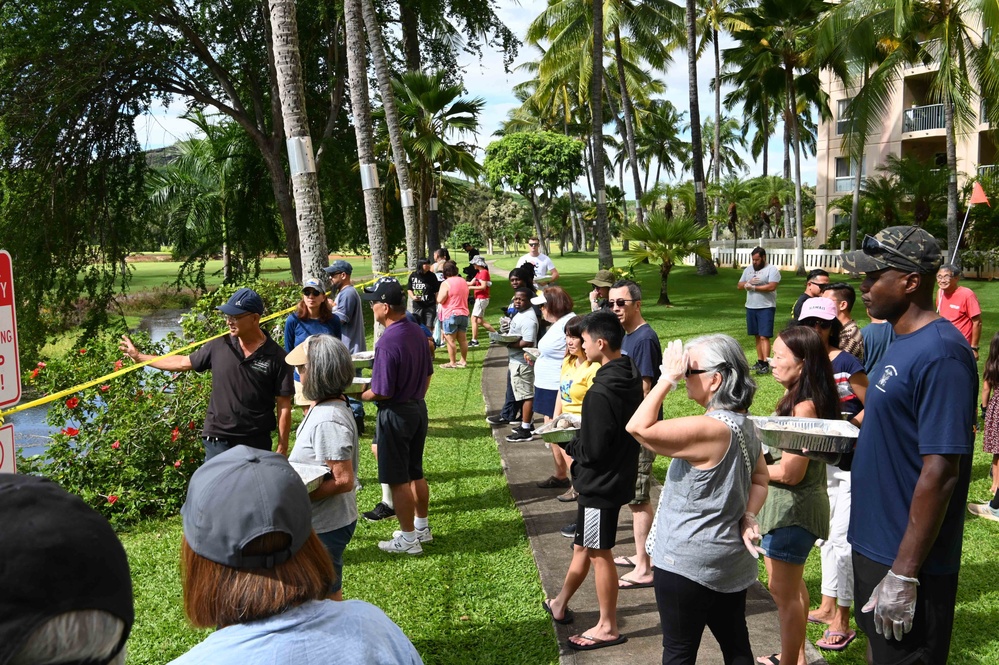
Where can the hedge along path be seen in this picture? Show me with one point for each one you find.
(131, 368)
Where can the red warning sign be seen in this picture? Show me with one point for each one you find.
(10, 365)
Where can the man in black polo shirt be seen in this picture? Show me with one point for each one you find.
(249, 376)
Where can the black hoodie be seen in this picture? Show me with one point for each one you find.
(605, 456)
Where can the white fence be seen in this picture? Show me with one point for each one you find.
(781, 258)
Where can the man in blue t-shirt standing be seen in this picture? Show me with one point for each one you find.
(641, 344)
(400, 376)
(913, 458)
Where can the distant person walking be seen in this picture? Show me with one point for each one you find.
(249, 379)
(760, 282)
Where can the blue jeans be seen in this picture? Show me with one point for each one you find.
(335, 543)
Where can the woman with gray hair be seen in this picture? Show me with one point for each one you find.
(706, 517)
(327, 436)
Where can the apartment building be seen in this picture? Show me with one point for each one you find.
(913, 127)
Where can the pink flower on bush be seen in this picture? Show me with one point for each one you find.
(174, 434)
(112, 498)
(70, 431)
(176, 464)
(41, 365)
(117, 365)
(72, 403)
(116, 445)
(104, 388)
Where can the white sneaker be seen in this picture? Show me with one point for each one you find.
(422, 535)
(984, 510)
(399, 545)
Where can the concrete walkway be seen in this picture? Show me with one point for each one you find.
(529, 462)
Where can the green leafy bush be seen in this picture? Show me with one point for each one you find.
(129, 445)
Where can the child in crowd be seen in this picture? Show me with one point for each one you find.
(990, 437)
(604, 471)
(479, 286)
(524, 326)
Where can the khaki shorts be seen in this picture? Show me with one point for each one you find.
(643, 484)
(479, 309)
(521, 380)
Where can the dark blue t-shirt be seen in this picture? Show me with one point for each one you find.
(643, 347)
(296, 330)
(921, 401)
(402, 363)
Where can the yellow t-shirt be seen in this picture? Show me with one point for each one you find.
(575, 381)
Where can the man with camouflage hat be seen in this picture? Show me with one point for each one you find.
(602, 283)
(913, 457)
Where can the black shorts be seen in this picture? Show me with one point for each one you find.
(400, 434)
(929, 640)
(596, 528)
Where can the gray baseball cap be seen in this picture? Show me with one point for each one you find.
(240, 495)
(907, 248)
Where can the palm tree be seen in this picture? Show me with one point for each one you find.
(945, 33)
(704, 265)
(432, 114)
(394, 127)
(734, 192)
(291, 90)
(659, 138)
(357, 74)
(666, 242)
(728, 145)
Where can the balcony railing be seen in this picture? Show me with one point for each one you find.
(922, 118)
(988, 170)
(845, 183)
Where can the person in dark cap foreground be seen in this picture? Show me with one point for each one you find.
(65, 587)
(400, 376)
(913, 458)
(252, 566)
(249, 376)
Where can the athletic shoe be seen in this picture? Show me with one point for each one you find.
(473, 342)
(399, 545)
(763, 369)
(422, 535)
(552, 482)
(517, 425)
(569, 530)
(569, 496)
(984, 510)
(520, 434)
(380, 512)
(496, 421)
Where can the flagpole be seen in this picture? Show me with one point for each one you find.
(977, 196)
(953, 258)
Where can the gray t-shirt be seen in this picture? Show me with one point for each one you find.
(524, 325)
(347, 307)
(328, 432)
(761, 299)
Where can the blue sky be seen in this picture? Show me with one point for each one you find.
(485, 78)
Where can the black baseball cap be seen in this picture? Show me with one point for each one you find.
(244, 301)
(386, 290)
(57, 555)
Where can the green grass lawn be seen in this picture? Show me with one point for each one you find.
(473, 596)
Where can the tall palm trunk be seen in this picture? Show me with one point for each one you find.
(361, 109)
(628, 112)
(951, 180)
(787, 170)
(305, 186)
(409, 22)
(394, 129)
(799, 235)
(704, 266)
(604, 256)
(717, 142)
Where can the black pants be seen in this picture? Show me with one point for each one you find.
(511, 408)
(929, 640)
(686, 607)
(215, 445)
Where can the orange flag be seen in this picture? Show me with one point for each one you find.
(978, 195)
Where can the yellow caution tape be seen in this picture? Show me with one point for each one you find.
(132, 368)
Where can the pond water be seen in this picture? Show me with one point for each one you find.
(31, 432)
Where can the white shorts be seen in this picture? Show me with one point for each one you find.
(479, 309)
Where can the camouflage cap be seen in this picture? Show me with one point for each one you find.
(602, 278)
(907, 248)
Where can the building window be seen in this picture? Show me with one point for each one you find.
(842, 117)
(846, 173)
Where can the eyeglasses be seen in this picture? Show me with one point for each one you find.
(230, 318)
(620, 302)
(874, 247)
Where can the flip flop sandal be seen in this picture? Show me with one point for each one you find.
(772, 659)
(567, 616)
(628, 563)
(845, 639)
(597, 642)
(623, 583)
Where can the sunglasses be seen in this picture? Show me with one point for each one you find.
(874, 247)
(817, 283)
(532, 244)
(311, 293)
(620, 302)
(820, 323)
(690, 372)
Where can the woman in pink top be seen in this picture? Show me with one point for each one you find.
(453, 313)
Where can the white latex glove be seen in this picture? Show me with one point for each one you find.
(894, 605)
(751, 534)
(674, 363)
